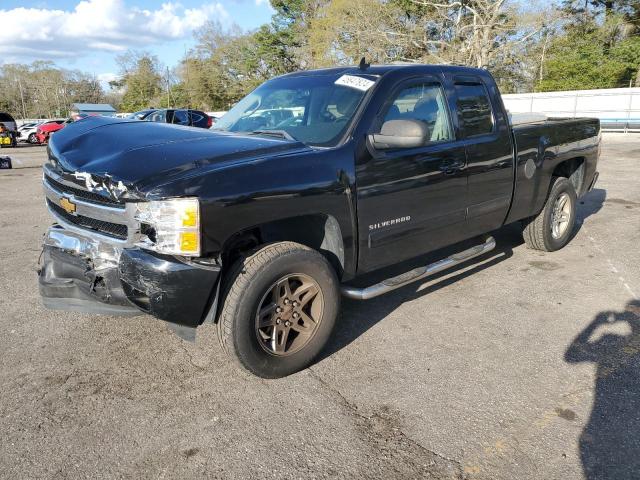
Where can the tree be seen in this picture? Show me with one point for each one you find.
(592, 56)
(42, 90)
(141, 80)
(224, 65)
(588, 10)
(346, 30)
(484, 33)
(289, 29)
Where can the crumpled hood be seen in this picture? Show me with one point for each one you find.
(137, 155)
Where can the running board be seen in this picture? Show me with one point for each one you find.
(418, 273)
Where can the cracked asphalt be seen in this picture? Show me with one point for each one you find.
(522, 365)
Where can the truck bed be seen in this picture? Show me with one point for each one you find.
(540, 147)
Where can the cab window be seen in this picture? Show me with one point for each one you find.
(180, 117)
(474, 109)
(424, 102)
(159, 116)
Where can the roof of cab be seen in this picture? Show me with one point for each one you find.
(380, 70)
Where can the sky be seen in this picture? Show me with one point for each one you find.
(88, 35)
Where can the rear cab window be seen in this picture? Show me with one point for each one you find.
(474, 108)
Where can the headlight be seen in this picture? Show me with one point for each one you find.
(171, 226)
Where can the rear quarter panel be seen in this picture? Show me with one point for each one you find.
(540, 148)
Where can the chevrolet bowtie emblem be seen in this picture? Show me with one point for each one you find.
(67, 205)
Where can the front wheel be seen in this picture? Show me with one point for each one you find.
(280, 306)
(32, 139)
(551, 229)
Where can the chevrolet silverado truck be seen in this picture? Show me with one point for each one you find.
(317, 185)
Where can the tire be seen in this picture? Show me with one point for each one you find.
(539, 232)
(32, 139)
(259, 282)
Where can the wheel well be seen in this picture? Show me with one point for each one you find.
(573, 169)
(320, 232)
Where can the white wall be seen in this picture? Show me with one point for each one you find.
(612, 105)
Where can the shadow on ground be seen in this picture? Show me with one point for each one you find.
(610, 442)
(591, 203)
(359, 316)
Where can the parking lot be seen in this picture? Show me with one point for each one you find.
(25, 155)
(522, 365)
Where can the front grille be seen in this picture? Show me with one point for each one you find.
(83, 194)
(114, 230)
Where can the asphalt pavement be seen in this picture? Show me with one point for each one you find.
(25, 155)
(523, 365)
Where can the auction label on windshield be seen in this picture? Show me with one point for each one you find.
(352, 81)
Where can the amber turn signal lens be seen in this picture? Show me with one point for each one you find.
(189, 242)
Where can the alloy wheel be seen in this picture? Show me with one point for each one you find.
(289, 314)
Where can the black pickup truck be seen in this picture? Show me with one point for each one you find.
(309, 187)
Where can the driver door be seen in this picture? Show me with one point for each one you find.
(412, 200)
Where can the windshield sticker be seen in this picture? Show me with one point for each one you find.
(358, 83)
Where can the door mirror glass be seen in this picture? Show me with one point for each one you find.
(400, 134)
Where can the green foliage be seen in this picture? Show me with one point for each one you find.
(41, 90)
(222, 68)
(411, 8)
(591, 58)
(226, 63)
(141, 81)
(594, 48)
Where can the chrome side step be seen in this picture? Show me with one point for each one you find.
(418, 273)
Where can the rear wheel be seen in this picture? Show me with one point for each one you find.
(280, 306)
(551, 229)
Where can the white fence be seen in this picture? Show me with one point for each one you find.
(617, 108)
(31, 120)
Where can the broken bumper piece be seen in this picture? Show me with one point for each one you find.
(83, 274)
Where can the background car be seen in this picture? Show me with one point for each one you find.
(188, 117)
(45, 130)
(27, 132)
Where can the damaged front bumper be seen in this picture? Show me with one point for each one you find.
(81, 273)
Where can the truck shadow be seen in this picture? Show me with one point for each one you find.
(359, 316)
(610, 442)
(590, 204)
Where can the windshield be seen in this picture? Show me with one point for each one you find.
(312, 109)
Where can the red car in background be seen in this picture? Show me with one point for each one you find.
(46, 129)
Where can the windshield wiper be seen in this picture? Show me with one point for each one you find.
(275, 133)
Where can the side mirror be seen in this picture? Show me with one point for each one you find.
(400, 134)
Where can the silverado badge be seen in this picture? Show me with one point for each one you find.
(67, 205)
